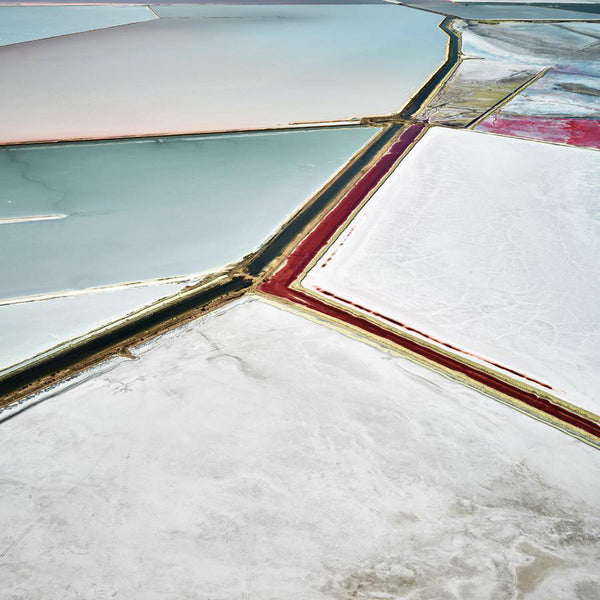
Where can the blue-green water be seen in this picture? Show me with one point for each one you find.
(510, 11)
(134, 210)
(26, 23)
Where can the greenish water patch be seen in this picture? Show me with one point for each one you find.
(27, 23)
(144, 209)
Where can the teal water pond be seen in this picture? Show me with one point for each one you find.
(27, 23)
(82, 215)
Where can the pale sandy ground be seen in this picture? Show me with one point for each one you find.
(256, 454)
(489, 244)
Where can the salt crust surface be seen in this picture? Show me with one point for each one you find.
(257, 454)
(489, 244)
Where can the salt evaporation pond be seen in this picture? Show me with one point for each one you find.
(492, 254)
(75, 216)
(33, 328)
(257, 454)
(216, 69)
(510, 11)
(26, 23)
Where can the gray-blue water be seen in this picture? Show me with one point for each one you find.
(26, 23)
(122, 211)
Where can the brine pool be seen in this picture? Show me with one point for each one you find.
(82, 215)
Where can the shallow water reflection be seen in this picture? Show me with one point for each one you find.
(154, 208)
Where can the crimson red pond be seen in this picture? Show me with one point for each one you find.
(575, 132)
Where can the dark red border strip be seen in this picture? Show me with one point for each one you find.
(279, 285)
(429, 337)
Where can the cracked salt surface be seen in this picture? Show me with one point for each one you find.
(488, 244)
(254, 453)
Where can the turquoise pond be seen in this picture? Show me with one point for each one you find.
(27, 23)
(75, 216)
